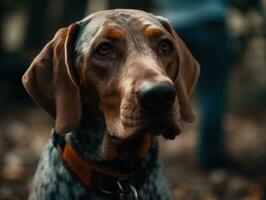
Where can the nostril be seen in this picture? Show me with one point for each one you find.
(156, 95)
(169, 97)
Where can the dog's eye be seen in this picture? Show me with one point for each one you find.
(104, 49)
(166, 46)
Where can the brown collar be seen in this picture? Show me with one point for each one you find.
(98, 178)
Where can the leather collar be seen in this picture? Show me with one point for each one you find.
(101, 179)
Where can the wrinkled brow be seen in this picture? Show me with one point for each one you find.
(85, 41)
(152, 31)
(112, 33)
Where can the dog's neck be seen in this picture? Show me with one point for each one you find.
(88, 141)
(88, 137)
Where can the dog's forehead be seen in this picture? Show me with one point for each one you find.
(124, 18)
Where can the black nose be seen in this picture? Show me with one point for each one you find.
(156, 95)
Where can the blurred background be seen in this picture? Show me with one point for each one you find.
(221, 156)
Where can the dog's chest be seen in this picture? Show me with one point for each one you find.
(53, 181)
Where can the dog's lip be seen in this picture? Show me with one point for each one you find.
(167, 129)
(119, 140)
(155, 126)
(114, 139)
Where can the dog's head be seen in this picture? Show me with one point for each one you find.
(129, 65)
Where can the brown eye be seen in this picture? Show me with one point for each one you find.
(104, 49)
(166, 46)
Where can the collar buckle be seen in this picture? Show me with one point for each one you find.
(125, 188)
(128, 188)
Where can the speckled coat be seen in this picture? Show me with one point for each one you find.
(52, 181)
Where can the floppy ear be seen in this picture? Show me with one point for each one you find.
(187, 74)
(50, 80)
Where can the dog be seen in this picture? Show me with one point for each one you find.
(112, 82)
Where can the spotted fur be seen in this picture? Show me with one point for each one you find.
(53, 181)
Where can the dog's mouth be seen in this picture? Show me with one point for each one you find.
(135, 139)
(163, 125)
(123, 141)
